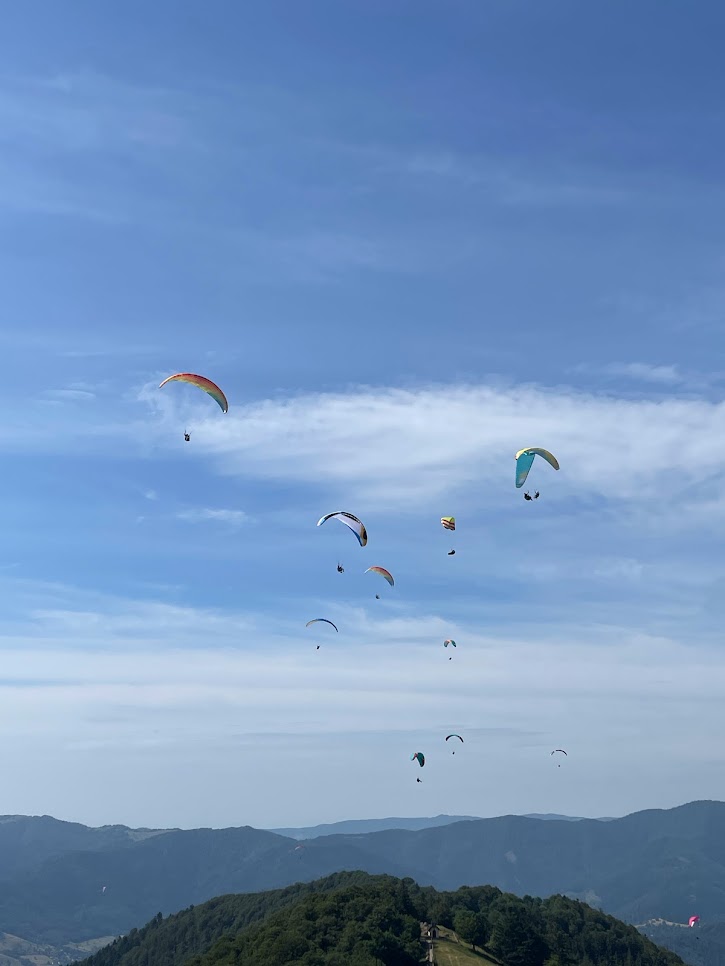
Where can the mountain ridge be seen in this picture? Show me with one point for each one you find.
(666, 863)
(357, 826)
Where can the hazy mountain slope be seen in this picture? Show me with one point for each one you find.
(650, 864)
(28, 841)
(363, 825)
(15, 951)
(702, 946)
(551, 816)
(647, 864)
(63, 900)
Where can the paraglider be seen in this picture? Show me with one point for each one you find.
(692, 920)
(528, 496)
(449, 523)
(419, 757)
(203, 383)
(340, 569)
(445, 644)
(561, 750)
(187, 436)
(524, 458)
(455, 736)
(320, 620)
(357, 526)
(383, 573)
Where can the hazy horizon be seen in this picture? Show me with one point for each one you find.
(365, 818)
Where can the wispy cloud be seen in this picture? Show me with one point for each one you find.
(86, 111)
(646, 372)
(89, 118)
(234, 518)
(623, 568)
(404, 447)
(500, 180)
(99, 674)
(61, 395)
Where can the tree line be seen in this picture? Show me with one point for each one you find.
(353, 919)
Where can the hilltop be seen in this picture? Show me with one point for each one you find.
(353, 919)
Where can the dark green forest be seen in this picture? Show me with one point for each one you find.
(353, 919)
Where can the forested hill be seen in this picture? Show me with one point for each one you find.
(352, 919)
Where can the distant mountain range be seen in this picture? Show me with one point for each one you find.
(362, 825)
(652, 864)
(551, 817)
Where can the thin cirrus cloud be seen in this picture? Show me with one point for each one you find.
(233, 518)
(79, 642)
(408, 445)
(645, 372)
(102, 674)
(69, 395)
(146, 678)
(530, 185)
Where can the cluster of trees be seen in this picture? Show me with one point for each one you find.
(355, 926)
(173, 940)
(543, 932)
(354, 919)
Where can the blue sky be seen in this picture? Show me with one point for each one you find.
(407, 239)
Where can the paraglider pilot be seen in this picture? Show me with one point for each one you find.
(187, 436)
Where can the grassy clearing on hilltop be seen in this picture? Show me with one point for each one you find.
(448, 952)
